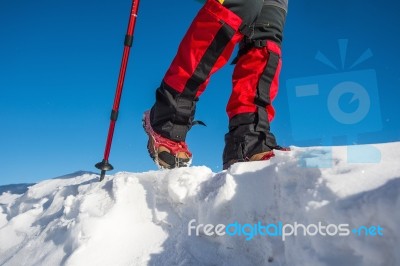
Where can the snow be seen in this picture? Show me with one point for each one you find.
(143, 218)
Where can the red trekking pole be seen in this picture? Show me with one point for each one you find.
(105, 165)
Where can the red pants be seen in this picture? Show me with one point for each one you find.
(206, 47)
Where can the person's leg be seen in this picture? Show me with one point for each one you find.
(255, 85)
(205, 48)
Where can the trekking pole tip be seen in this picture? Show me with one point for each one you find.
(102, 175)
(104, 166)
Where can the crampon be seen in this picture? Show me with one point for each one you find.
(166, 153)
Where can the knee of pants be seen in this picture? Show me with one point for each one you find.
(279, 3)
(270, 24)
(247, 10)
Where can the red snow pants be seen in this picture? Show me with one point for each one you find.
(208, 44)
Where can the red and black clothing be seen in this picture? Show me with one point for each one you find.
(208, 44)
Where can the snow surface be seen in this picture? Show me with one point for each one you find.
(142, 218)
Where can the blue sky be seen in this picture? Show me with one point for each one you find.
(59, 62)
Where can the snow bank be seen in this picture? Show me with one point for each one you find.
(143, 218)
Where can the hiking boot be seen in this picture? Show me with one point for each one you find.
(246, 142)
(262, 156)
(165, 153)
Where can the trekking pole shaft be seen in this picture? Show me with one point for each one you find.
(117, 100)
(104, 165)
